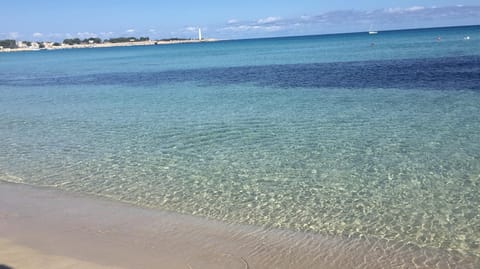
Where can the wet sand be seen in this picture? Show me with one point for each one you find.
(13, 256)
(48, 228)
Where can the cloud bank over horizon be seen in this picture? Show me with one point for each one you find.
(356, 21)
(339, 21)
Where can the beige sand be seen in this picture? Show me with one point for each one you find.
(15, 256)
(45, 226)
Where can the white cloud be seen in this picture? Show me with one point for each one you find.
(404, 10)
(13, 35)
(37, 35)
(86, 35)
(107, 34)
(55, 36)
(191, 29)
(393, 10)
(273, 28)
(188, 31)
(241, 28)
(415, 8)
(130, 31)
(268, 20)
(268, 24)
(253, 28)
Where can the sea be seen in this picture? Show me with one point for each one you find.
(348, 135)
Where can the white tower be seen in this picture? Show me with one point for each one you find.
(199, 34)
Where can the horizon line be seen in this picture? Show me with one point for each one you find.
(266, 37)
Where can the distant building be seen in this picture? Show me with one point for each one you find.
(21, 45)
(48, 45)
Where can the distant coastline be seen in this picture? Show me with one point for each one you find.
(38, 46)
(145, 41)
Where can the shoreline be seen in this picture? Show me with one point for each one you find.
(83, 229)
(112, 45)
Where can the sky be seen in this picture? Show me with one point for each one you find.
(55, 20)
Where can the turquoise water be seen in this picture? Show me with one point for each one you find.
(350, 134)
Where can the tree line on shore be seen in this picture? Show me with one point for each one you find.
(8, 44)
(96, 40)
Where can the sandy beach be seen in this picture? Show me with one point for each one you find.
(47, 228)
(16, 256)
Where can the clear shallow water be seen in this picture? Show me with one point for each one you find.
(325, 134)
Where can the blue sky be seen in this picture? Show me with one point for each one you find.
(60, 19)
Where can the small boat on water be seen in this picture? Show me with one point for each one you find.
(371, 31)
